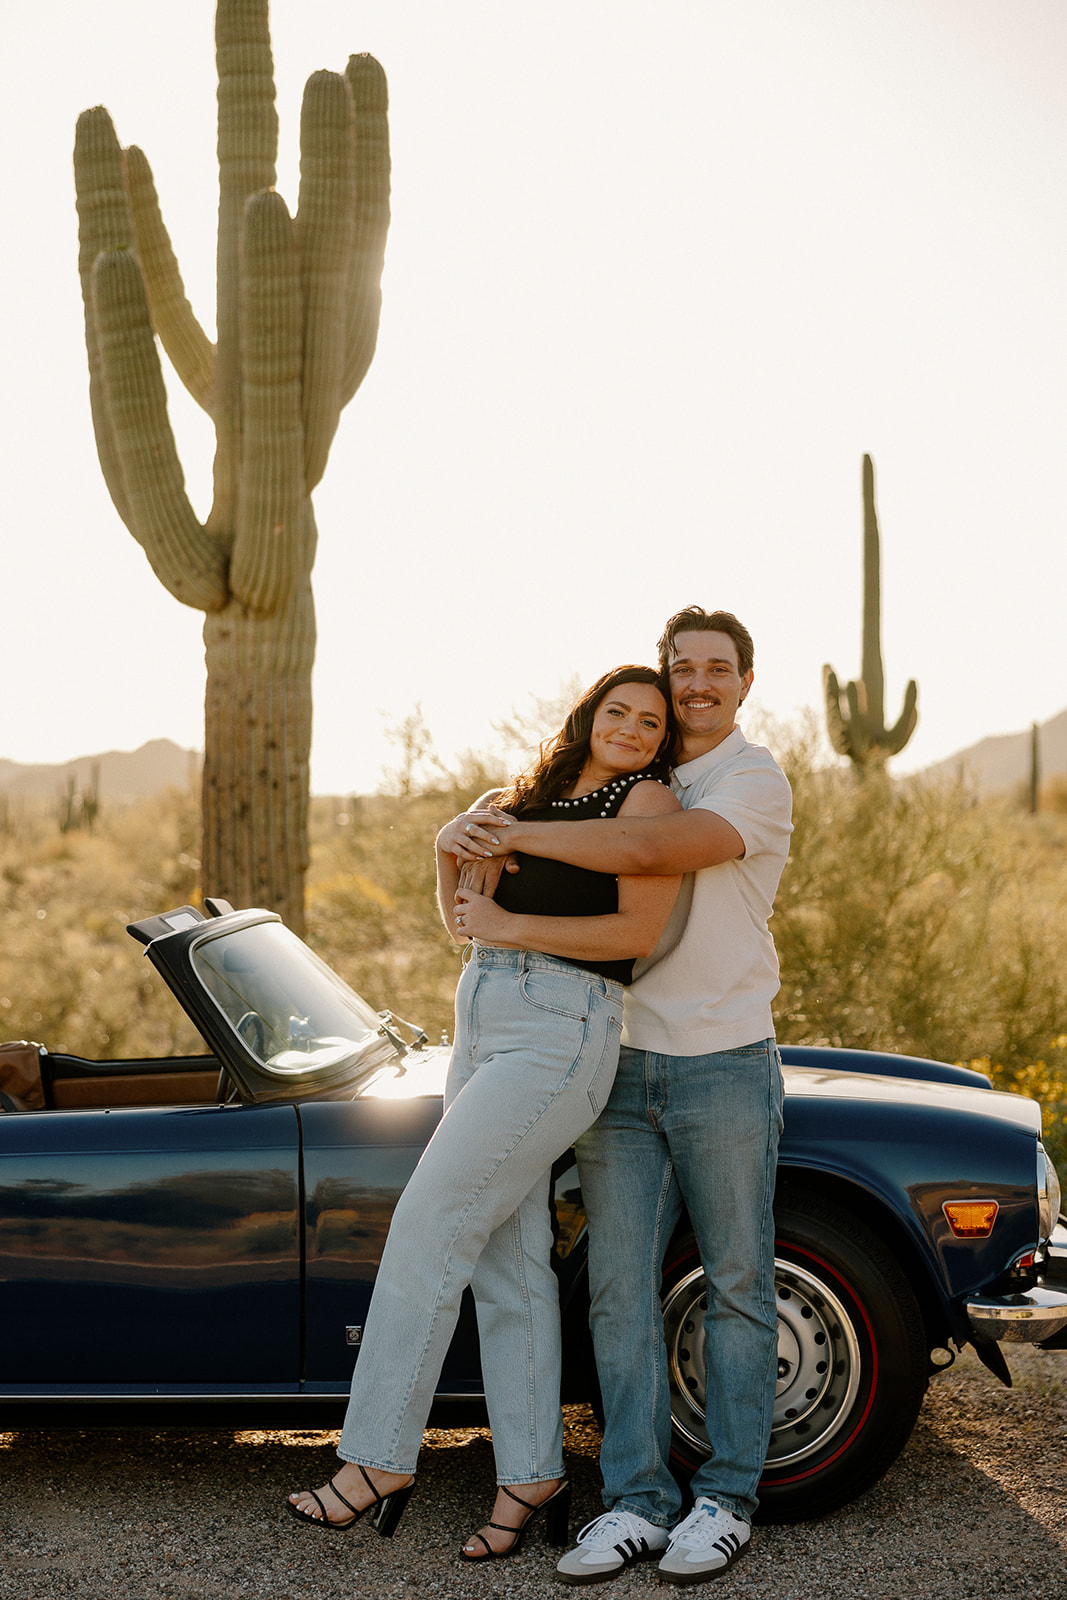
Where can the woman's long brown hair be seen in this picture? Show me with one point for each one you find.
(562, 758)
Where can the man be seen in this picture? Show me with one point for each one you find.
(693, 1121)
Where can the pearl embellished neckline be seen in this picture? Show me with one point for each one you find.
(607, 792)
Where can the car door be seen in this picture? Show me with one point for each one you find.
(150, 1251)
(358, 1156)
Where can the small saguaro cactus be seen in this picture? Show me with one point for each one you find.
(298, 302)
(855, 717)
(79, 808)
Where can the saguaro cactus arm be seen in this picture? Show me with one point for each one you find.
(160, 517)
(325, 233)
(370, 102)
(191, 352)
(856, 720)
(268, 550)
(104, 223)
(836, 725)
(898, 735)
(127, 396)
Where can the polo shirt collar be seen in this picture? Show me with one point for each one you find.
(690, 771)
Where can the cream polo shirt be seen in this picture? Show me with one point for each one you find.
(710, 981)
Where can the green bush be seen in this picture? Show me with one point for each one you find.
(912, 918)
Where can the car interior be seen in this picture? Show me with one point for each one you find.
(31, 1079)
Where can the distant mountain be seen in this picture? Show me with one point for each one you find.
(1003, 761)
(119, 774)
(999, 762)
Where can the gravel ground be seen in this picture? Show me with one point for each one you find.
(975, 1509)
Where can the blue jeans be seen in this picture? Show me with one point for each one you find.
(536, 1046)
(699, 1132)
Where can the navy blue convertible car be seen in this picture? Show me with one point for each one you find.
(208, 1228)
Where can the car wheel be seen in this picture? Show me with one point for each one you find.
(852, 1360)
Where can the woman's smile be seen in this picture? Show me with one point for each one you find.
(628, 729)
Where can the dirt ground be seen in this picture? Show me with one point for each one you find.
(975, 1509)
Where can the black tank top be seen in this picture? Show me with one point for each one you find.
(544, 888)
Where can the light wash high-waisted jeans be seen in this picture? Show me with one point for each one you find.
(534, 1059)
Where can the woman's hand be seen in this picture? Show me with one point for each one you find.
(474, 835)
(479, 917)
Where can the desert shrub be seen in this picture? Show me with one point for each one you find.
(913, 918)
(371, 904)
(1054, 793)
(70, 975)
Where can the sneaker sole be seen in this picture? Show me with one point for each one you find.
(684, 1579)
(609, 1572)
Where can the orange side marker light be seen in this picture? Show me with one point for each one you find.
(971, 1219)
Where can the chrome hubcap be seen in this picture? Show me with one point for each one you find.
(818, 1362)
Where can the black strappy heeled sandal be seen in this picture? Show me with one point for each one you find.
(387, 1509)
(557, 1509)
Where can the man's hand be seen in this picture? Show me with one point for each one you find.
(474, 835)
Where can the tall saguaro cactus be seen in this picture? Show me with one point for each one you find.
(855, 718)
(298, 302)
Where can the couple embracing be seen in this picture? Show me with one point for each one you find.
(640, 858)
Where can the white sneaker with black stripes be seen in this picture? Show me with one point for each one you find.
(609, 1544)
(705, 1545)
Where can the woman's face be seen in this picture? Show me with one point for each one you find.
(629, 725)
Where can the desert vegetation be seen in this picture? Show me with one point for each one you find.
(912, 916)
(915, 918)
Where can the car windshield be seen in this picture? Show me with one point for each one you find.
(286, 1006)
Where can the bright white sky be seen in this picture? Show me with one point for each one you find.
(660, 271)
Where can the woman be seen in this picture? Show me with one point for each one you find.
(538, 1020)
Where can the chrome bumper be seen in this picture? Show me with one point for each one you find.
(1027, 1318)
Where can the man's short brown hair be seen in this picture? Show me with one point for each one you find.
(694, 619)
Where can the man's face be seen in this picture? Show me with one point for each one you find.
(707, 686)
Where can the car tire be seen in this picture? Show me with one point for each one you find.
(853, 1360)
